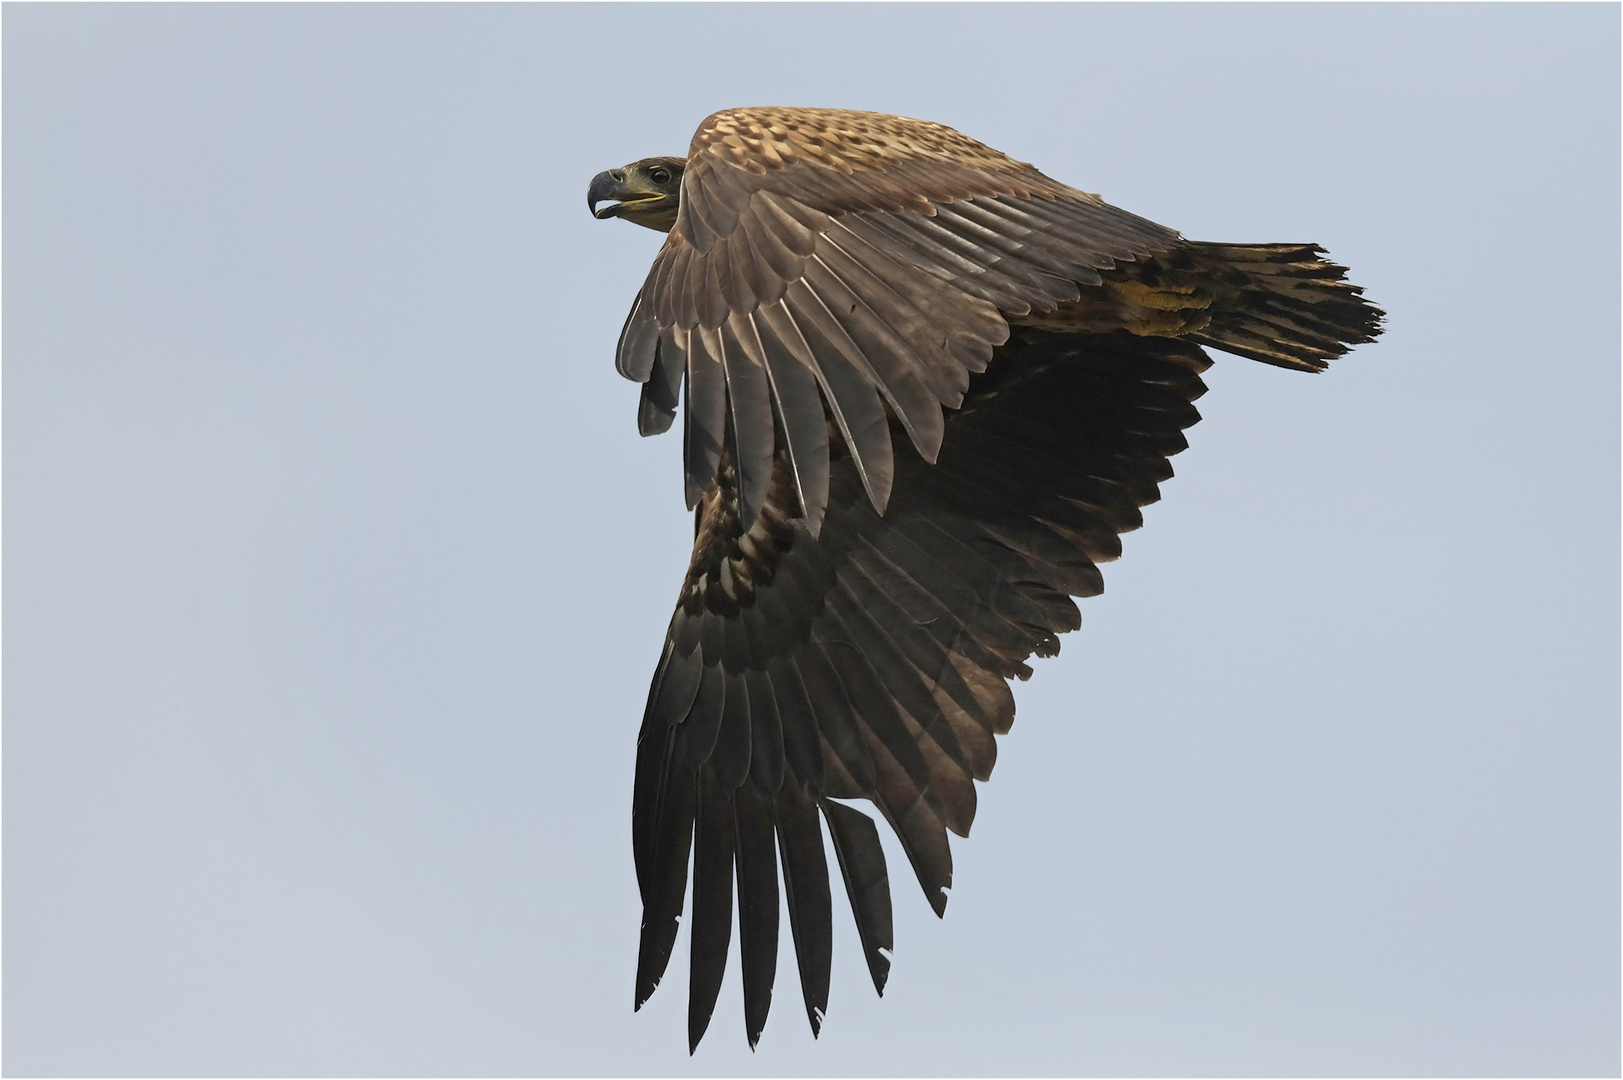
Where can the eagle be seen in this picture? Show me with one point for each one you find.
(924, 389)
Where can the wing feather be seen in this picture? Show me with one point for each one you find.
(674, 737)
(705, 419)
(712, 901)
(656, 410)
(757, 903)
(802, 746)
(800, 408)
(729, 758)
(634, 354)
(867, 884)
(766, 731)
(917, 825)
(743, 273)
(805, 882)
(749, 400)
(664, 883)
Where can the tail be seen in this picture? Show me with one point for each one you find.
(1283, 304)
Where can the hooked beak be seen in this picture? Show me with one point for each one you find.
(611, 185)
(606, 185)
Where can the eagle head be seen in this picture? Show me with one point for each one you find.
(646, 192)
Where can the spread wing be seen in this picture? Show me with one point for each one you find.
(851, 259)
(871, 661)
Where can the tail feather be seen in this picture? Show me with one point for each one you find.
(1282, 304)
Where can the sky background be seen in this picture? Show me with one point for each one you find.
(335, 570)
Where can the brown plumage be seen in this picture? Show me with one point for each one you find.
(832, 282)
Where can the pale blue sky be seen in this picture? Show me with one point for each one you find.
(335, 570)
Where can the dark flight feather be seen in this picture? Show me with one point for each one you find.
(750, 419)
(712, 901)
(656, 410)
(800, 412)
(867, 884)
(706, 415)
(634, 355)
(757, 903)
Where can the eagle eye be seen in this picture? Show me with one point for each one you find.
(660, 176)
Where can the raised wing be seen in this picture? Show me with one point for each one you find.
(857, 260)
(872, 662)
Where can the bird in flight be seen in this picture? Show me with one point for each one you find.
(924, 388)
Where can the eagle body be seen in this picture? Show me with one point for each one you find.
(924, 390)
